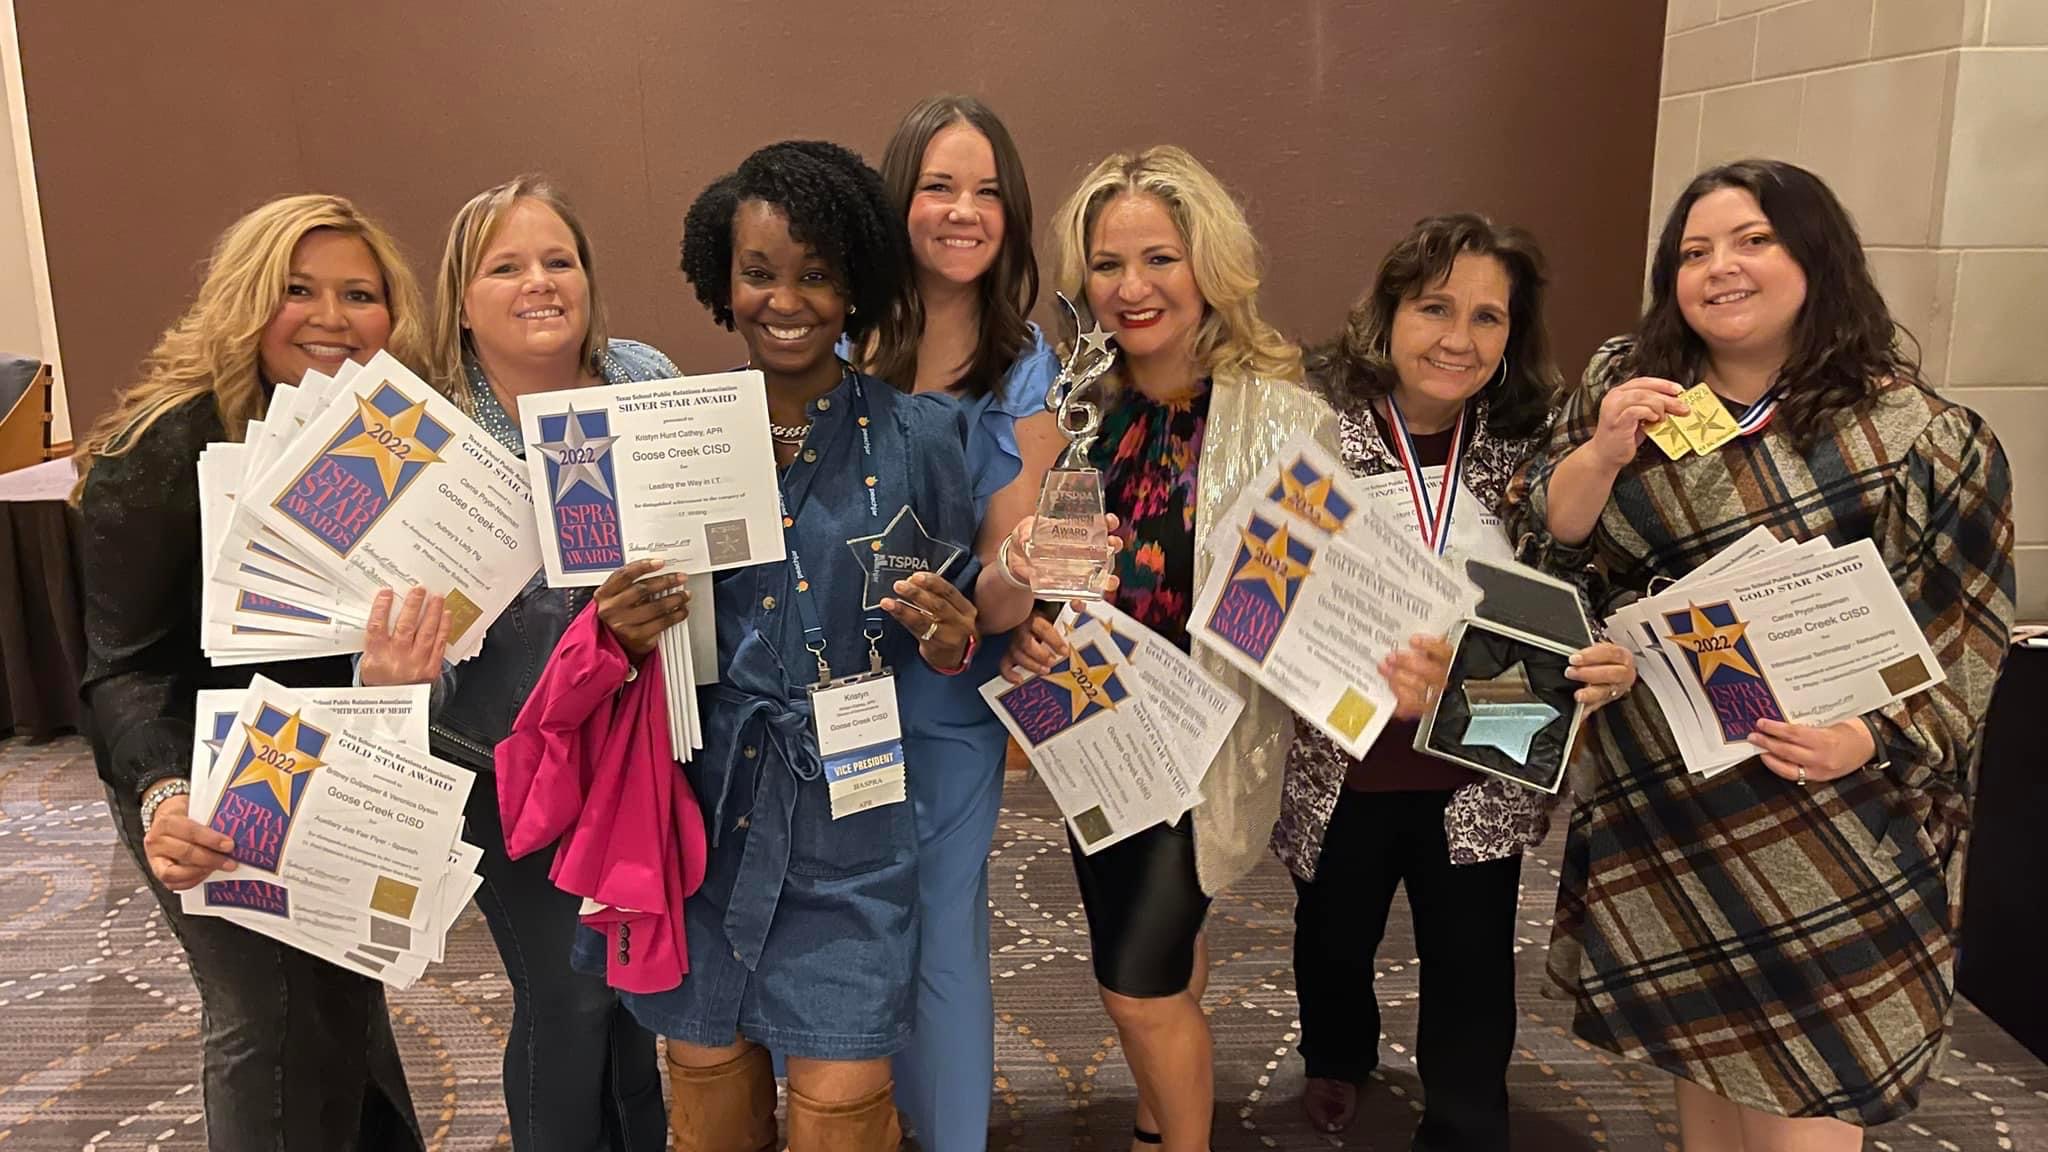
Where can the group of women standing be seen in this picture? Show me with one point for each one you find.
(1780, 937)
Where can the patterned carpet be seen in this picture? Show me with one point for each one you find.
(100, 1044)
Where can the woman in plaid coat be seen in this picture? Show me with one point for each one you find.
(1781, 937)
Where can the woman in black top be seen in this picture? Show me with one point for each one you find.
(298, 1053)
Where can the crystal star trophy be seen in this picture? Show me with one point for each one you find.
(1069, 545)
(1508, 709)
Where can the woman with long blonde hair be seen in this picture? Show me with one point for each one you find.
(517, 311)
(1204, 393)
(298, 1054)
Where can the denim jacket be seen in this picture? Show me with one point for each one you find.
(475, 702)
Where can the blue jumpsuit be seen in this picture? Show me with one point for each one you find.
(954, 746)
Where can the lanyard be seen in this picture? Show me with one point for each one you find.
(1434, 518)
(806, 605)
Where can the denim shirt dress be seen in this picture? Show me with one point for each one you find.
(803, 937)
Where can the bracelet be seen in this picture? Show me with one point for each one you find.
(159, 792)
(1003, 564)
(973, 642)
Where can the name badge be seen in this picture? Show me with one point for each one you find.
(860, 739)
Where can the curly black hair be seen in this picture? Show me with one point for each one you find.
(836, 204)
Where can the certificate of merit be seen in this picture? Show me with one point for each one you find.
(678, 469)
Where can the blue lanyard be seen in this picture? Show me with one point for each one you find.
(806, 605)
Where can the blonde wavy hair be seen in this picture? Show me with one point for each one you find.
(469, 236)
(1233, 340)
(213, 347)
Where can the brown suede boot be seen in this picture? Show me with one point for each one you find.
(864, 1125)
(727, 1107)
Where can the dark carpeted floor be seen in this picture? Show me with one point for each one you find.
(100, 1049)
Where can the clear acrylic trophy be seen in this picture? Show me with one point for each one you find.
(1069, 545)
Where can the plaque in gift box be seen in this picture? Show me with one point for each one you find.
(1508, 709)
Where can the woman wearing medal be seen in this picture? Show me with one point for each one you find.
(1444, 376)
(1202, 399)
(803, 936)
(1781, 937)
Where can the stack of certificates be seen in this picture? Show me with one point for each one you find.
(680, 470)
(367, 480)
(1122, 729)
(1772, 630)
(1310, 586)
(346, 831)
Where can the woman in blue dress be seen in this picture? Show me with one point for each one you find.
(803, 937)
(954, 175)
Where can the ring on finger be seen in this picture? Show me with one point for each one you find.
(929, 632)
(1801, 781)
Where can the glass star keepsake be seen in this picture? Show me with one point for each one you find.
(898, 552)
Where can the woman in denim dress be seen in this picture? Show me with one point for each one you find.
(803, 937)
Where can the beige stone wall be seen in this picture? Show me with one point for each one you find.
(1930, 120)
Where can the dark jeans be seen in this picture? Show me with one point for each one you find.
(579, 1071)
(298, 1054)
(1464, 935)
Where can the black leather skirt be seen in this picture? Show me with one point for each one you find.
(1145, 909)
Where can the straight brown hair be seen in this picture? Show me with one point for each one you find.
(1009, 289)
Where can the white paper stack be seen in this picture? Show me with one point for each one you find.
(1122, 731)
(347, 485)
(346, 831)
(681, 470)
(1310, 586)
(1802, 632)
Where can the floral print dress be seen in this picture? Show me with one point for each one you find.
(1147, 452)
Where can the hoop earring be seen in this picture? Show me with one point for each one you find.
(1500, 375)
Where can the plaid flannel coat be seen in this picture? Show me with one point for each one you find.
(1791, 948)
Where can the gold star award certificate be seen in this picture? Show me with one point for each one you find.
(1804, 633)
(391, 486)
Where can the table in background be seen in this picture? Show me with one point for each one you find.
(42, 641)
(2005, 885)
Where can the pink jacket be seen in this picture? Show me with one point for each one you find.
(588, 768)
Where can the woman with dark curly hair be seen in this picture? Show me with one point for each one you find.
(1781, 937)
(1446, 364)
(803, 935)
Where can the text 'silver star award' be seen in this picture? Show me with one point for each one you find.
(1069, 545)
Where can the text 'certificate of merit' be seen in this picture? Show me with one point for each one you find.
(679, 469)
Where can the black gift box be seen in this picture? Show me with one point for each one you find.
(1508, 660)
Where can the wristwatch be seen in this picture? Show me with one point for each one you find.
(159, 792)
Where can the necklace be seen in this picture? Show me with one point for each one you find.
(791, 434)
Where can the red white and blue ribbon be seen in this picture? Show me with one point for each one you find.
(1760, 413)
(1432, 516)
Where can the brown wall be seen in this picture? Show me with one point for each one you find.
(1339, 123)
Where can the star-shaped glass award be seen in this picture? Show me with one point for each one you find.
(578, 456)
(898, 552)
(1505, 712)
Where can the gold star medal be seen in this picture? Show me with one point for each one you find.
(1708, 425)
(1666, 435)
